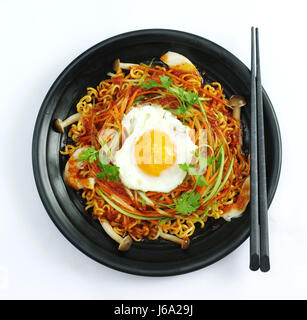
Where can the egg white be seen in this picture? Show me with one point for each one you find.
(142, 119)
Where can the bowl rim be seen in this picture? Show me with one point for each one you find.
(36, 146)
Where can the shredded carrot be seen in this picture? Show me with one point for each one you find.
(132, 98)
(106, 106)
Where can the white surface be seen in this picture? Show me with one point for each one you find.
(38, 40)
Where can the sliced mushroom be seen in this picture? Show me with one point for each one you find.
(124, 243)
(185, 242)
(117, 65)
(237, 102)
(60, 125)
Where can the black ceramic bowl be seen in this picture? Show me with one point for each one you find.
(64, 205)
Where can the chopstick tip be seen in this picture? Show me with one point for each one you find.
(254, 262)
(265, 263)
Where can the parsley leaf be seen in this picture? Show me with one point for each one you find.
(150, 84)
(191, 97)
(201, 181)
(166, 81)
(184, 166)
(198, 168)
(89, 155)
(181, 110)
(108, 172)
(186, 98)
(187, 203)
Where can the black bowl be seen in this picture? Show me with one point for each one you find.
(64, 205)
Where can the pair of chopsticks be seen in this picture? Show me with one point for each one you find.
(259, 238)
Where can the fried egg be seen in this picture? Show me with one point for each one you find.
(156, 143)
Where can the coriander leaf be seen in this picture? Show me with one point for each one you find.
(191, 97)
(180, 92)
(188, 168)
(185, 98)
(181, 110)
(108, 172)
(201, 181)
(150, 84)
(166, 81)
(187, 203)
(198, 168)
(185, 167)
(210, 160)
(89, 155)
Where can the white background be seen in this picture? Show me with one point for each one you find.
(39, 39)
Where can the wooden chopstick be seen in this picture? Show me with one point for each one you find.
(262, 185)
(259, 239)
(254, 223)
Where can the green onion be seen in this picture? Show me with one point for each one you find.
(119, 209)
(227, 176)
(165, 220)
(219, 178)
(146, 199)
(150, 202)
(203, 215)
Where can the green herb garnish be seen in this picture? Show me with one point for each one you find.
(188, 203)
(164, 220)
(143, 203)
(185, 98)
(201, 181)
(109, 172)
(89, 155)
(116, 207)
(148, 65)
(198, 169)
(216, 187)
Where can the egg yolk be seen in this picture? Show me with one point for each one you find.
(154, 152)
